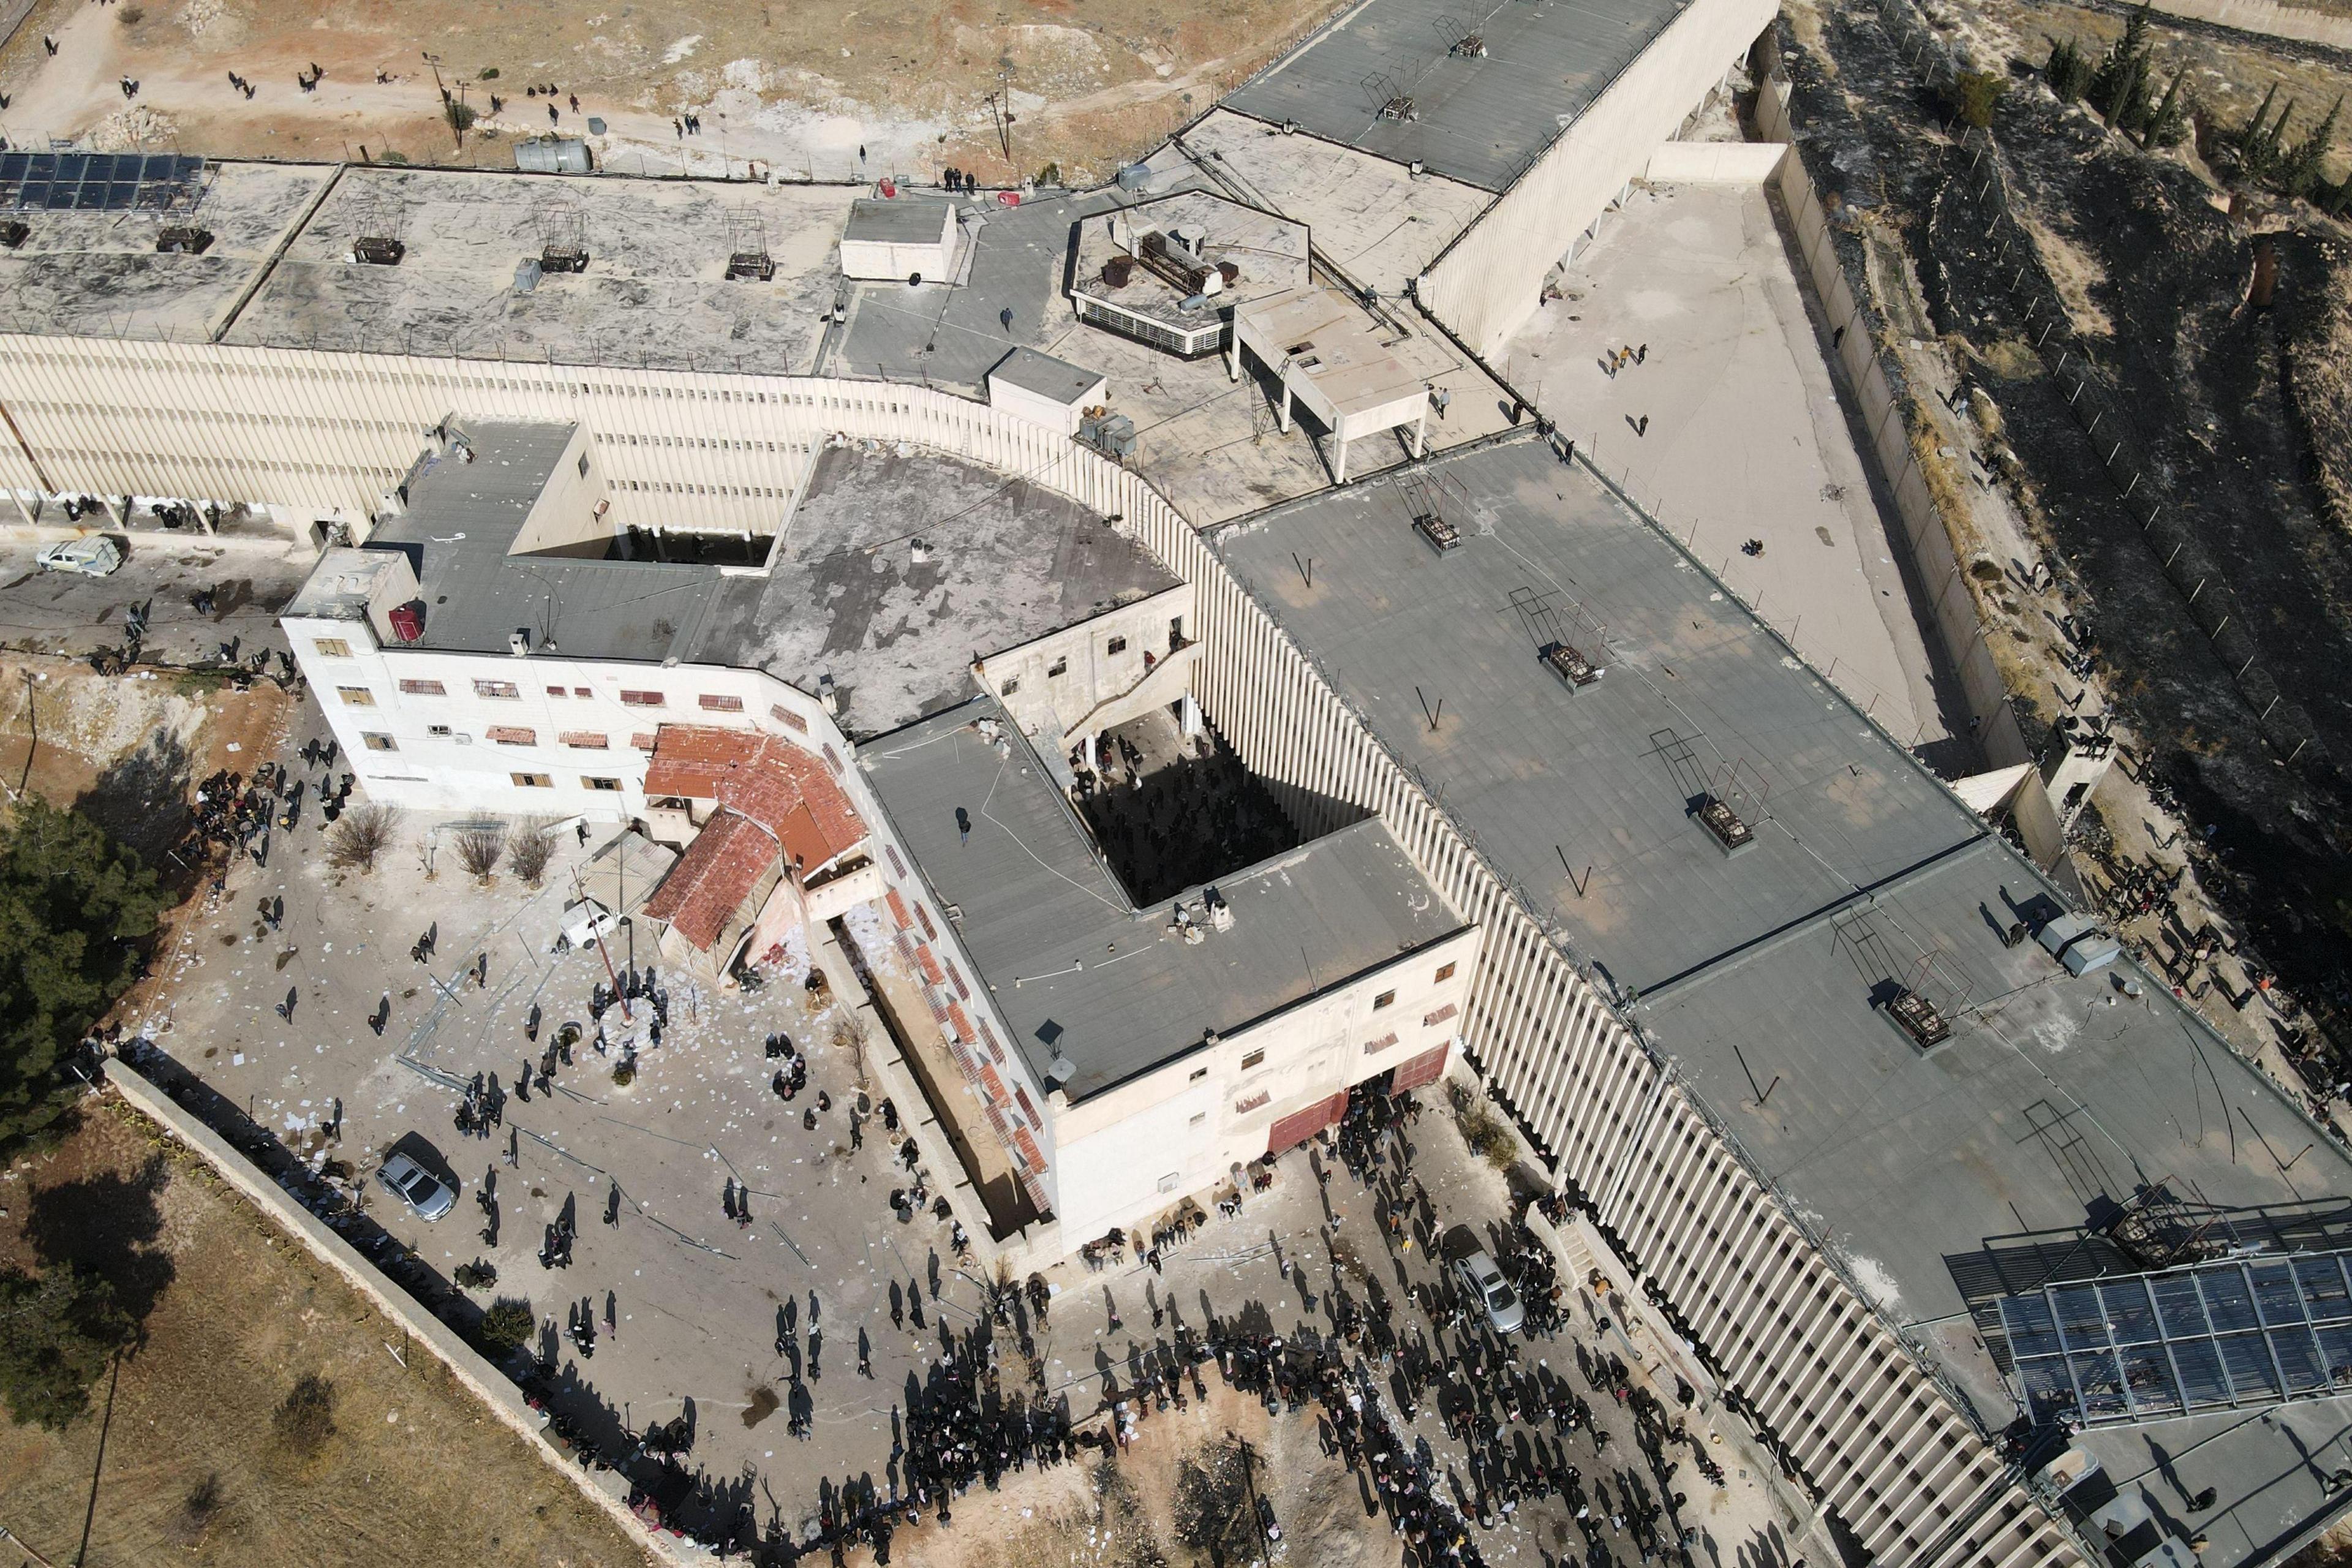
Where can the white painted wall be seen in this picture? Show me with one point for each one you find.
(1127, 1155)
(1091, 674)
(1485, 286)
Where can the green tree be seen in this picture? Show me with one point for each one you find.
(74, 908)
(57, 1331)
(507, 1326)
(2301, 173)
(2168, 125)
(2068, 73)
(2126, 56)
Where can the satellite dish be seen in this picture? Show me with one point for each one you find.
(1060, 1070)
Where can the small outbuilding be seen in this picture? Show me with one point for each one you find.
(900, 238)
(1047, 391)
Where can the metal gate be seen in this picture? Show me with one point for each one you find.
(1426, 1067)
(1300, 1125)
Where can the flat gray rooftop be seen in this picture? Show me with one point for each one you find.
(1938, 1179)
(1476, 120)
(96, 273)
(843, 594)
(1268, 250)
(897, 222)
(655, 293)
(1596, 783)
(1098, 979)
(1986, 1166)
(1044, 374)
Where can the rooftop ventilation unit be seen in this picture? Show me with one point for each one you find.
(1429, 499)
(1180, 266)
(519, 641)
(378, 250)
(1113, 434)
(1570, 664)
(1441, 535)
(183, 239)
(13, 232)
(1918, 1019)
(748, 260)
(563, 240)
(1386, 102)
(1459, 40)
(1724, 823)
(2073, 940)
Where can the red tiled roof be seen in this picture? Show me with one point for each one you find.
(713, 878)
(766, 778)
(897, 908)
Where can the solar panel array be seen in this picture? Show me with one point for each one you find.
(2145, 1347)
(97, 181)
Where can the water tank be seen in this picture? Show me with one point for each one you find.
(1134, 176)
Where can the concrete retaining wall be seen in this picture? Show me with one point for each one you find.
(1485, 284)
(1950, 601)
(2264, 16)
(1714, 162)
(497, 1393)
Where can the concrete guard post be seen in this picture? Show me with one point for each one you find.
(497, 1393)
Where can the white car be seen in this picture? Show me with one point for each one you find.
(1478, 1274)
(586, 920)
(94, 556)
(429, 1197)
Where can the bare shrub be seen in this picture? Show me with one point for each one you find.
(528, 852)
(479, 850)
(362, 837)
(305, 1418)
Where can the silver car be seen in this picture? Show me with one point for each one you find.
(428, 1197)
(1483, 1279)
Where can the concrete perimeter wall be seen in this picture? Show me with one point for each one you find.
(1950, 600)
(1857, 1412)
(1485, 285)
(489, 1384)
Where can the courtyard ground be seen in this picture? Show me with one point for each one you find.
(732, 1325)
(179, 1460)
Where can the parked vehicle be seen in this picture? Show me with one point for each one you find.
(94, 556)
(586, 920)
(428, 1197)
(1483, 1279)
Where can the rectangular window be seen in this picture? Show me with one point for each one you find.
(582, 691)
(641, 698)
(1118, 644)
(532, 781)
(557, 690)
(643, 740)
(583, 465)
(1198, 1074)
(513, 735)
(423, 688)
(1253, 1059)
(787, 718)
(436, 728)
(600, 784)
(356, 696)
(583, 740)
(1383, 1000)
(718, 704)
(1058, 668)
(381, 742)
(496, 689)
(1010, 687)
(332, 647)
(1445, 974)
(1168, 1182)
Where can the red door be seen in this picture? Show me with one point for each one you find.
(1426, 1067)
(1300, 1125)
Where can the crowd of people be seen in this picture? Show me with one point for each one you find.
(1178, 825)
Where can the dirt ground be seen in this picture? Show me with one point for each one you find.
(185, 1460)
(823, 89)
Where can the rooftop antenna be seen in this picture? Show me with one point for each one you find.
(748, 260)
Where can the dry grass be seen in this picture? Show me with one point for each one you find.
(2319, 376)
(211, 1456)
